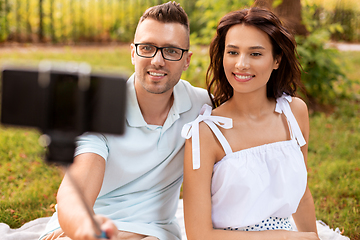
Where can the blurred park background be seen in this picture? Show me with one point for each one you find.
(99, 32)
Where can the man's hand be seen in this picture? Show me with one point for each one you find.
(113, 233)
(107, 226)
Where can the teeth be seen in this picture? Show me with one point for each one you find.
(243, 77)
(157, 74)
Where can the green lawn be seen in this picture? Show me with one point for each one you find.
(28, 186)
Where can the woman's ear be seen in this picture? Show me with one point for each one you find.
(277, 61)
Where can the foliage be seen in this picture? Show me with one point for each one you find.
(349, 20)
(198, 66)
(323, 76)
(71, 21)
(207, 15)
(333, 162)
(68, 21)
(345, 13)
(321, 68)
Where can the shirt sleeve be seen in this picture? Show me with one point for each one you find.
(92, 143)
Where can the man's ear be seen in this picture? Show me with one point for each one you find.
(132, 49)
(187, 60)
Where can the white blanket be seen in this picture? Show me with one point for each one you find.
(33, 229)
(29, 231)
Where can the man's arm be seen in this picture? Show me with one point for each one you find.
(88, 172)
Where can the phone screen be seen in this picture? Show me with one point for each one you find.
(61, 105)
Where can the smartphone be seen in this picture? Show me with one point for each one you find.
(61, 107)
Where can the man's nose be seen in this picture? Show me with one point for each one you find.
(158, 59)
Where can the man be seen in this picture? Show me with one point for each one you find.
(134, 180)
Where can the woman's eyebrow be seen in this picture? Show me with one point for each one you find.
(252, 47)
(257, 47)
(232, 46)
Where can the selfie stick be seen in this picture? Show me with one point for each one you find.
(66, 141)
(98, 232)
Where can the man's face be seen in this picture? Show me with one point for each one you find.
(157, 75)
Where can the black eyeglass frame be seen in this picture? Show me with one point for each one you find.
(161, 50)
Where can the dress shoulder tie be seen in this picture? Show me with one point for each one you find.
(191, 129)
(283, 106)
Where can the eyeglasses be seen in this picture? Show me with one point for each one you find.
(168, 53)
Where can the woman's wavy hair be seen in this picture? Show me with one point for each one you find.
(285, 79)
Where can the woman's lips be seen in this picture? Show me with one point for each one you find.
(243, 77)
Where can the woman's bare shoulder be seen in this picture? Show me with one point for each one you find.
(300, 111)
(298, 107)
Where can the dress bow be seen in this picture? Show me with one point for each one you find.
(283, 106)
(191, 129)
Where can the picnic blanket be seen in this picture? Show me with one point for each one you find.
(33, 229)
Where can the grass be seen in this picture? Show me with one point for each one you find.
(111, 58)
(334, 157)
(28, 186)
(334, 170)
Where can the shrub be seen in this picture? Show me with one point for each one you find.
(323, 75)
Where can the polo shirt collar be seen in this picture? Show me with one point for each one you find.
(134, 117)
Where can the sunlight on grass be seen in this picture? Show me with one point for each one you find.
(106, 58)
(27, 185)
(334, 175)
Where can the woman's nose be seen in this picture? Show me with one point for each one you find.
(242, 63)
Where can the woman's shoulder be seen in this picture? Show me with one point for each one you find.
(300, 111)
(298, 106)
(222, 110)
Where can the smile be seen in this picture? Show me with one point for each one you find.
(155, 74)
(244, 77)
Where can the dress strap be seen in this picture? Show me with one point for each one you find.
(191, 129)
(283, 106)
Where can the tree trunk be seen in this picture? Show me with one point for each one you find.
(28, 25)
(18, 22)
(41, 30)
(289, 11)
(52, 27)
(6, 23)
(73, 21)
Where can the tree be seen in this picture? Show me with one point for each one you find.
(18, 21)
(289, 11)
(41, 30)
(52, 26)
(28, 25)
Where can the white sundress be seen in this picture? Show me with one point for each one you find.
(258, 188)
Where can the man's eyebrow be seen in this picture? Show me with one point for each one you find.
(170, 45)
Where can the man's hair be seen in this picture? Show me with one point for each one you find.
(170, 12)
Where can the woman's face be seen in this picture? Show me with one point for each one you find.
(248, 59)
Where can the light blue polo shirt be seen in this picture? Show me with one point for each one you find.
(144, 167)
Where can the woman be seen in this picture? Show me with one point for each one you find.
(249, 172)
